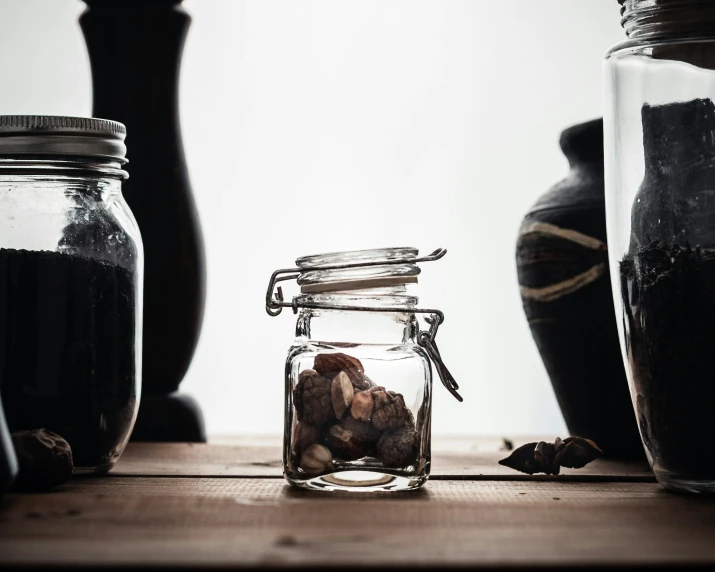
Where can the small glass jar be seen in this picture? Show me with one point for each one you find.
(660, 194)
(71, 264)
(358, 376)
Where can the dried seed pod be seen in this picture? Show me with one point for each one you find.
(522, 459)
(329, 365)
(304, 435)
(397, 449)
(363, 428)
(316, 459)
(390, 412)
(306, 373)
(303, 376)
(312, 399)
(362, 405)
(44, 458)
(409, 419)
(365, 432)
(577, 452)
(341, 393)
(545, 455)
(344, 444)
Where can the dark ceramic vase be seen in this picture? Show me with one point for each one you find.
(135, 54)
(562, 264)
(8, 460)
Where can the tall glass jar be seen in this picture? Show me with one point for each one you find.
(660, 194)
(358, 376)
(71, 264)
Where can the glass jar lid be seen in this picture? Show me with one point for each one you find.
(368, 271)
(357, 269)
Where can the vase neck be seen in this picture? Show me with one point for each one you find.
(583, 143)
(135, 55)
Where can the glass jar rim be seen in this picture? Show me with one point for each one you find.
(59, 166)
(662, 19)
(363, 255)
(379, 268)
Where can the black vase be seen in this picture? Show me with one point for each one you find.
(135, 54)
(8, 460)
(562, 265)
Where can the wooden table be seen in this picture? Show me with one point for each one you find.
(226, 505)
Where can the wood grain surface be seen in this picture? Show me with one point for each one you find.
(261, 457)
(225, 505)
(221, 521)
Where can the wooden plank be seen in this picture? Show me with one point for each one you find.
(250, 458)
(261, 457)
(228, 521)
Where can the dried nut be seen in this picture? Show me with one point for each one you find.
(312, 399)
(344, 444)
(576, 452)
(329, 365)
(326, 364)
(303, 376)
(341, 392)
(361, 406)
(398, 449)
(305, 435)
(364, 432)
(45, 459)
(363, 429)
(390, 412)
(316, 459)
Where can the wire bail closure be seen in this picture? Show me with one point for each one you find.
(425, 338)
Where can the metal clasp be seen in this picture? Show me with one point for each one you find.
(426, 339)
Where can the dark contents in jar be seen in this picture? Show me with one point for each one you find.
(343, 416)
(668, 288)
(67, 350)
(669, 306)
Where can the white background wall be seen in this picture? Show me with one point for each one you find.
(320, 125)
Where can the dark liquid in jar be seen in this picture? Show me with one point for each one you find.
(67, 350)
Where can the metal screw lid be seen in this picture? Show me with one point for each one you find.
(56, 135)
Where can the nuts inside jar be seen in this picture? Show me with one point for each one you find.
(343, 416)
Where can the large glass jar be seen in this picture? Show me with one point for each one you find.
(358, 376)
(71, 266)
(660, 195)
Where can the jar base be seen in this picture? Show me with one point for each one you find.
(680, 484)
(360, 481)
(89, 471)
